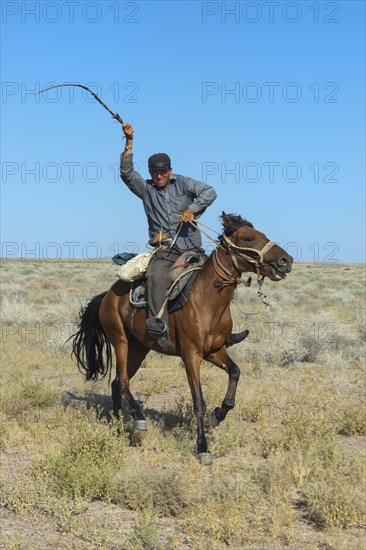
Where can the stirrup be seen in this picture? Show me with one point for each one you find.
(158, 330)
(155, 326)
(164, 341)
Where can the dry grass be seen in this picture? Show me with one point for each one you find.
(288, 461)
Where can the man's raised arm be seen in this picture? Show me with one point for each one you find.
(128, 132)
(132, 179)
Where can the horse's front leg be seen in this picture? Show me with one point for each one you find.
(221, 359)
(192, 364)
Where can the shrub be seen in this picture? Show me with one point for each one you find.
(301, 430)
(144, 535)
(352, 419)
(87, 466)
(333, 504)
(38, 395)
(166, 492)
(29, 401)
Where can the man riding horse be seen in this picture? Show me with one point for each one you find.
(170, 201)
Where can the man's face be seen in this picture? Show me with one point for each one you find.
(160, 176)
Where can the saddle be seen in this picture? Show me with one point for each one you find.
(180, 280)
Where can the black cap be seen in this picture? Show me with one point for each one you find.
(159, 160)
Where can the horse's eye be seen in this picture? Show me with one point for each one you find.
(249, 239)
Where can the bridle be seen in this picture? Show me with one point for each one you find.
(236, 252)
(239, 252)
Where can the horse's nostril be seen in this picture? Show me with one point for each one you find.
(282, 261)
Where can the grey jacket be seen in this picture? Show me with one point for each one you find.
(164, 206)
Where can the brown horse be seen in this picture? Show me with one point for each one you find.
(198, 330)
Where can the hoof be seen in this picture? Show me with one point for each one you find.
(213, 420)
(205, 458)
(140, 425)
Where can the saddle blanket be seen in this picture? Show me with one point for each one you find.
(181, 278)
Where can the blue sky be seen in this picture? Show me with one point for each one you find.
(262, 100)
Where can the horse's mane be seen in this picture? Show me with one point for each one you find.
(235, 221)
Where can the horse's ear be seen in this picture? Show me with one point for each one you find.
(225, 219)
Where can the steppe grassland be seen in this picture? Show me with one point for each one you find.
(288, 461)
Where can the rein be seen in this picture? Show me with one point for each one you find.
(225, 274)
(235, 250)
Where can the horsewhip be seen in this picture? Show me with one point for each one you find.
(114, 115)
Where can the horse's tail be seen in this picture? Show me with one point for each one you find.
(90, 346)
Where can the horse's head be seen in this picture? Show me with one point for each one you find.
(251, 250)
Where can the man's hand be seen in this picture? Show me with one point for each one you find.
(127, 130)
(187, 215)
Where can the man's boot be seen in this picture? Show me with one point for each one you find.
(236, 338)
(158, 330)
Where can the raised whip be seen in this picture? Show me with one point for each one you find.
(114, 115)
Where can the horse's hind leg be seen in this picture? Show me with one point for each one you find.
(116, 395)
(221, 359)
(129, 357)
(136, 354)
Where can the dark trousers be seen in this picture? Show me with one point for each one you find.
(157, 277)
